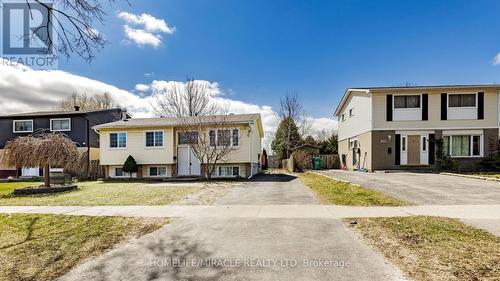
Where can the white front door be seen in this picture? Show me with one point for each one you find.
(188, 164)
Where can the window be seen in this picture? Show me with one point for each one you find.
(462, 100)
(463, 146)
(223, 138)
(424, 144)
(227, 171)
(343, 117)
(154, 139)
(23, 126)
(412, 101)
(212, 137)
(353, 143)
(120, 173)
(236, 137)
(403, 143)
(188, 137)
(460, 145)
(157, 171)
(351, 112)
(63, 124)
(118, 140)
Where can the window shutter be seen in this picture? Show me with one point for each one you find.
(431, 148)
(480, 105)
(444, 106)
(425, 107)
(398, 150)
(389, 108)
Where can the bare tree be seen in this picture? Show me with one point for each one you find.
(87, 103)
(291, 107)
(191, 98)
(41, 150)
(73, 24)
(211, 140)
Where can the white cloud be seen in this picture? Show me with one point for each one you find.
(496, 59)
(23, 89)
(141, 87)
(144, 29)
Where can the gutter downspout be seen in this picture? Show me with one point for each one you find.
(250, 151)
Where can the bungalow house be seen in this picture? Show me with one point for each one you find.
(77, 125)
(399, 127)
(165, 147)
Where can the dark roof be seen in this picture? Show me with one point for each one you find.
(180, 121)
(56, 113)
(306, 145)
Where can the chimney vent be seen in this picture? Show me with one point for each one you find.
(77, 108)
(124, 114)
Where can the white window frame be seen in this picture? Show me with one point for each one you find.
(417, 111)
(351, 112)
(218, 174)
(157, 168)
(154, 139)
(182, 131)
(471, 144)
(230, 137)
(26, 120)
(125, 174)
(343, 117)
(117, 140)
(60, 119)
(466, 110)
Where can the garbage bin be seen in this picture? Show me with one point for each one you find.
(317, 163)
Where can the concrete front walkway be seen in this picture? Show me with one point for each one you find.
(485, 212)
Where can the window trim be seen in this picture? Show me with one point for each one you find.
(157, 168)
(154, 139)
(406, 108)
(60, 119)
(183, 131)
(20, 132)
(461, 107)
(217, 173)
(231, 129)
(125, 174)
(351, 112)
(117, 143)
(471, 145)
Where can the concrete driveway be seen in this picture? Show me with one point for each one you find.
(426, 189)
(246, 248)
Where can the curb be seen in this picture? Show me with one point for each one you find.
(471, 177)
(332, 178)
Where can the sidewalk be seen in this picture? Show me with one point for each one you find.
(484, 212)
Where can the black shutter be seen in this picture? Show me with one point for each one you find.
(432, 148)
(444, 106)
(398, 150)
(425, 107)
(480, 105)
(389, 108)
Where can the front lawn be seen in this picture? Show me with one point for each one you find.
(8, 187)
(431, 248)
(101, 193)
(44, 247)
(340, 193)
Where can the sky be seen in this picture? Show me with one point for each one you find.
(252, 52)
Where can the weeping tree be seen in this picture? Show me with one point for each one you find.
(42, 150)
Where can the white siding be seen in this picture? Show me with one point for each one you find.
(361, 120)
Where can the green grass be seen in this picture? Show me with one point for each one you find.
(43, 247)
(340, 193)
(101, 193)
(8, 187)
(432, 248)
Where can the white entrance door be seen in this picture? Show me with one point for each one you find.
(188, 164)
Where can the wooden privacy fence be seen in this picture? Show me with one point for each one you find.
(328, 161)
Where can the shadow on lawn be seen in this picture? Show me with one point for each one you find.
(273, 178)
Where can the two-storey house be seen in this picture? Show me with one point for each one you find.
(77, 125)
(163, 147)
(385, 128)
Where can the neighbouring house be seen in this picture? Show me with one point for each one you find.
(77, 125)
(308, 148)
(162, 146)
(384, 128)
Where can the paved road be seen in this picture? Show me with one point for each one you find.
(426, 189)
(250, 248)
